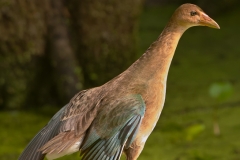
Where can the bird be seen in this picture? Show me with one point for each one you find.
(118, 116)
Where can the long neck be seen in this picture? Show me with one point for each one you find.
(151, 69)
(155, 62)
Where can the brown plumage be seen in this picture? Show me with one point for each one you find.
(120, 115)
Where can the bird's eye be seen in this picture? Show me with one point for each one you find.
(193, 13)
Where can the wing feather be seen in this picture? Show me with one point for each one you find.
(50, 130)
(113, 128)
(75, 117)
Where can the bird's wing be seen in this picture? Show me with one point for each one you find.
(113, 128)
(80, 111)
(72, 119)
(44, 135)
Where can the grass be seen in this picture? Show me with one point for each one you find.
(185, 129)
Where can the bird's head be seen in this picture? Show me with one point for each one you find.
(189, 15)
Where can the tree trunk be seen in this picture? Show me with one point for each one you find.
(46, 47)
(62, 55)
(107, 43)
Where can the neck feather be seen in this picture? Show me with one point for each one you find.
(151, 69)
(155, 62)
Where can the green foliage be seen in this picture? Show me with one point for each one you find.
(194, 130)
(221, 91)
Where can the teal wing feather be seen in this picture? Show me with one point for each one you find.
(115, 126)
(48, 132)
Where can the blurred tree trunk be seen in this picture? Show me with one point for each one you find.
(106, 32)
(46, 47)
(62, 54)
(57, 79)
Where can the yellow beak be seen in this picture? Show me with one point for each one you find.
(205, 20)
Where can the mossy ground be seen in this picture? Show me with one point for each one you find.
(185, 129)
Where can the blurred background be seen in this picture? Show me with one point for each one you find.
(51, 49)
